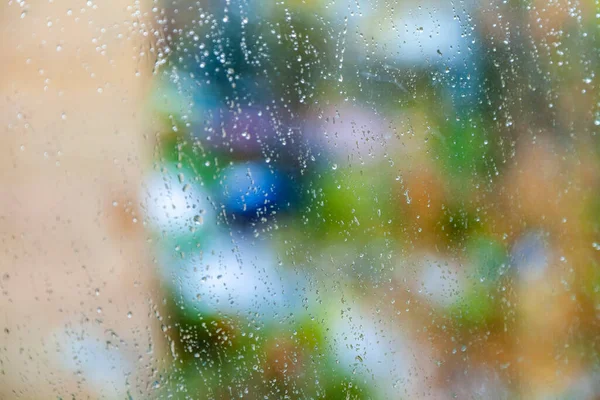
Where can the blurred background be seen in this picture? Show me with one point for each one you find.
(300, 199)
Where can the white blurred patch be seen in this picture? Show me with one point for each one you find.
(436, 279)
(353, 133)
(440, 281)
(174, 204)
(419, 34)
(97, 359)
(242, 278)
(378, 352)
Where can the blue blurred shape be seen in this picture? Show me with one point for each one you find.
(252, 189)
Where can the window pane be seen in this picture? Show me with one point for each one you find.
(299, 199)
